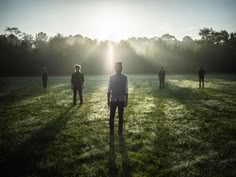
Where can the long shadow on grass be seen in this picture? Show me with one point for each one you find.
(211, 154)
(124, 157)
(112, 158)
(27, 92)
(113, 169)
(22, 105)
(23, 161)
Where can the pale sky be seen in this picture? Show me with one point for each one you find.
(118, 19)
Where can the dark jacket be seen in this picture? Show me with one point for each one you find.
(45, 75)
(162, 75)
(201, 73)
(77, 80)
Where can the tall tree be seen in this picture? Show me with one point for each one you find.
(168, 37)
(15, 31)
(187, 39)
(208, 35)
(40, 39)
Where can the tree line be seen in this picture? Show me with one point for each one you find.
(24, 54)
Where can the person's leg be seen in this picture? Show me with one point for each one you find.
(160, 85)
(44, 84)
(163, 84)
(202, 82)
(113, 106)
(199, 82)
(74, 95)
(81, 96)
(120, 115)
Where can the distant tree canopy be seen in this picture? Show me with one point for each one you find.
(23, 54)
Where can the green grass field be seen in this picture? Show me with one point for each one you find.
(179, 131)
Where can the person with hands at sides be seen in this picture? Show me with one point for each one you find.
(77, 83)
(117, 96)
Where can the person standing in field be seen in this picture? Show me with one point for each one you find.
(162, 76)
(45, 77)
(201, 75)
(117, 96)
(77, 83)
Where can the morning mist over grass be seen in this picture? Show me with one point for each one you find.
(23, 54)
(174, 101)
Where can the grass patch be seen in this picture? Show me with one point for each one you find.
(179, 131)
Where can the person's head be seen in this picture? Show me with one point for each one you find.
(201, 67)
(44, 68)
(77, 68)
(118, 67)
(162, 68)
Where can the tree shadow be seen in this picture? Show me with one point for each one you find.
(211, 137)
(11, 97)
(194, 97)
(23, 160)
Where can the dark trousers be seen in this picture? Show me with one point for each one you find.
(79, 90)
(162, 84)
(113, 107)
(201, 82)
(45, 83)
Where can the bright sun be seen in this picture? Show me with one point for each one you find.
(111, 26)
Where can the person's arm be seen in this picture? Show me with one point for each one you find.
(82, 77)
(126, 92)
(82, 80)
(126, 102)
(109, 92)
(108, 98)
(72, 81)
(159, 76)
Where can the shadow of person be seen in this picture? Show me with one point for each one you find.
(125, 158)
(23, 160)
(112, 158)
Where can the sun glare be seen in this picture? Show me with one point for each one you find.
(110, 57)
(111, 26)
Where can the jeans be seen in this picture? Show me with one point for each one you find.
(201, 82)
(162, 84)
(113, 106)
(45, 83)
(79, 90)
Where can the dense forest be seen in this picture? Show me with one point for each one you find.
(24, 54)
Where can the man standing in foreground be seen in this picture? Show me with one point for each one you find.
(77, 83)
(162, 76)
(117, 96)
(201, 75)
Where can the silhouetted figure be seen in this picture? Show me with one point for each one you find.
(117, 96)
(201, 75)
(162, 76)
(45, 77)
(77, 83)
